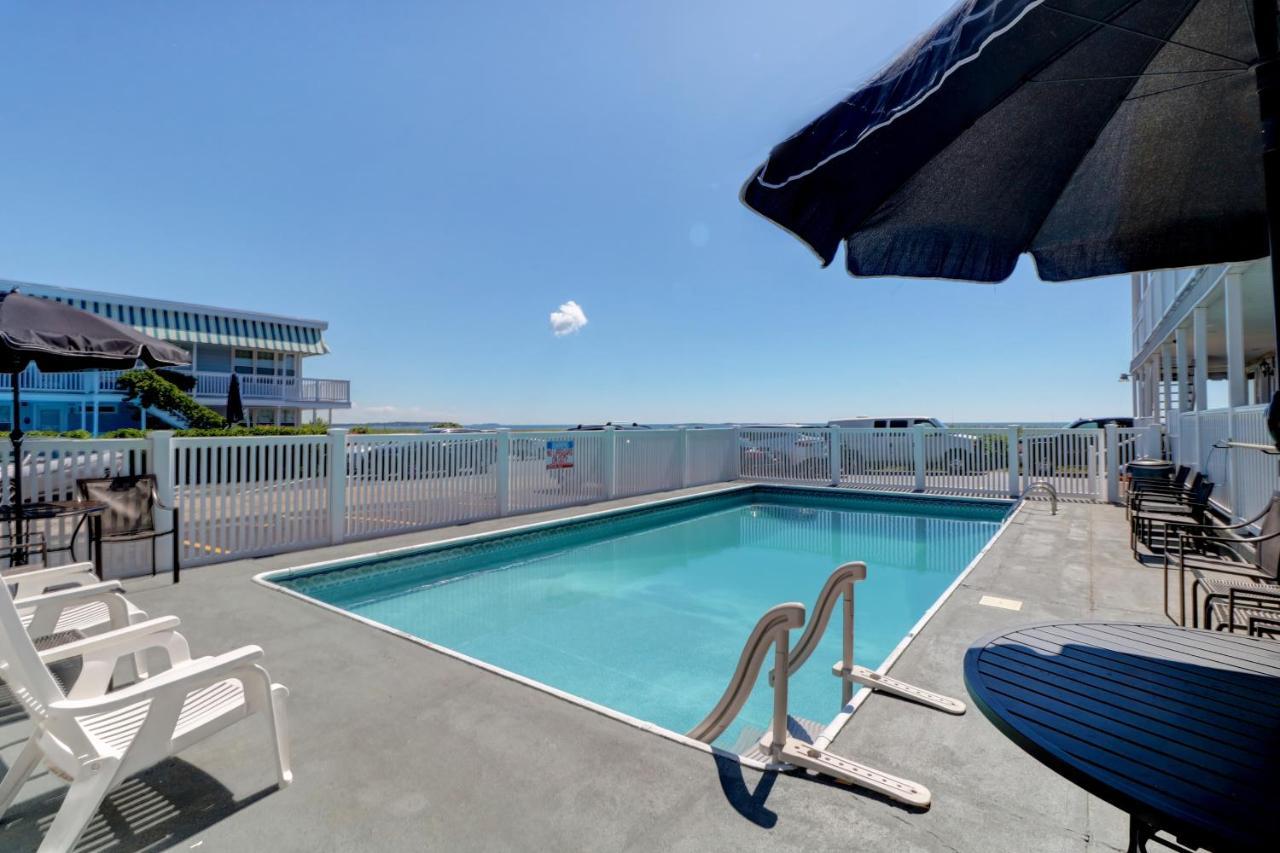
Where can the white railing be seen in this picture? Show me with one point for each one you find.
(49, 473)
(242, 497)
(291, 389)
(408, 482)
(245, 497)
(648, 461)
(31, 379)
(711, 456)
(1243, 478)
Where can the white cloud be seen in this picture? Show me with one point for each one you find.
(569, 319)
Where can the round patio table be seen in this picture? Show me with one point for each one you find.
(1178, 727)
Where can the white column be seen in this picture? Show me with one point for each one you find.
(1233, 302)
(835, 459)
(1200, 343)
(97, 384)
(1014, 474)
(917, 446)
(337, 485)
(682, 456)
(1166, 375)
(1113, 464)
(1184, 367)
(610, 462)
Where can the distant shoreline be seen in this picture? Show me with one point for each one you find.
(422, 426)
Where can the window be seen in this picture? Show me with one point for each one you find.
(266, 364)
(244, 361)
(898, 424)
(881, 424)
(290, 363)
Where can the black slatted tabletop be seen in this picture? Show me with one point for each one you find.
(1178, 727)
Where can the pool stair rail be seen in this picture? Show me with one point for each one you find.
(840, 585)
(781, 742)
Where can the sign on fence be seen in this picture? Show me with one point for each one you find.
(560, 454)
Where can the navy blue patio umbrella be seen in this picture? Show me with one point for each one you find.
(1099, 136)
(235, 405)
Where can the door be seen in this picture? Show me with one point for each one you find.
(51, 418)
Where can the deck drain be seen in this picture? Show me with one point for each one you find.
(1005, 603)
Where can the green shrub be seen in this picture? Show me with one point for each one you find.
(126, 432)
(151, 389)
(50, 433)
(305, 429)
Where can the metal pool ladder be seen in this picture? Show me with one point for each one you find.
(1043, 486)
(773, 630)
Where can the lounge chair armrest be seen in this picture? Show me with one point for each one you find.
(199, 673)
(125, 640)
(34, 581)
(73, 595)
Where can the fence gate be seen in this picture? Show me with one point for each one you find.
(1068, 460)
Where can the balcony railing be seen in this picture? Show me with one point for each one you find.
(286, 389)
(281, 389)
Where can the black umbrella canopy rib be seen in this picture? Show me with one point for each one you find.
(1100, 136)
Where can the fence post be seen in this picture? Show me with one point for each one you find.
(1014, 474)
(502, 470)
(337, 486)
(1113, 464)
(835, 459)
(682, 452)
(160, 457)
(1232, 469)
(610, 462)
(918, 455)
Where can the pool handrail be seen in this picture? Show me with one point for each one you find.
(839, 585)
(771, 630)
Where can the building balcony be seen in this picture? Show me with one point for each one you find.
(211, 388)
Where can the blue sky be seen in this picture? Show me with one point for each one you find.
(435, 179)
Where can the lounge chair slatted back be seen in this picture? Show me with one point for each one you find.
(28, 679)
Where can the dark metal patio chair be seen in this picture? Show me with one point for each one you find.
(1168, 510)
(130, 515)
(1250, 563)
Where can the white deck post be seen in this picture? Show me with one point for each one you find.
(502, 470)
(835, 458)
(1200, 346)
(1184, 368)
(160, 458)
(1113, 465)
(1166, 375)
(1233, 302)
(1014, 475)
(337, 485)
(1233, 468)
(918, 455)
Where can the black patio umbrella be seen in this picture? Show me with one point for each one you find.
(1100, 136)
(57, 337)
(235, 406)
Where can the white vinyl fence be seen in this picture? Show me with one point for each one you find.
(252, 496)
(1244, 478)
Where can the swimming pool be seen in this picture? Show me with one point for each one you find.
(645, 610)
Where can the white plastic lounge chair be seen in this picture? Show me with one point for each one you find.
(37, 580)
(95, 739)
(69, 614)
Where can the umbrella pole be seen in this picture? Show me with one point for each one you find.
(18, 556)
(1267, 40)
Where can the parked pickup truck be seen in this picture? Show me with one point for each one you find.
(949, 452)
(1068, 450)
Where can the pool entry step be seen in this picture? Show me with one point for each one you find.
(870, 678)
(790, 742)
(808, 757)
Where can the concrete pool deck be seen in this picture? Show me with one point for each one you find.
(397, 747)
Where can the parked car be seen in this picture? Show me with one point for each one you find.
(796, 448)
(950, 452)
(1062, 452)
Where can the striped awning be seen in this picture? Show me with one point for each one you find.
(191, 325)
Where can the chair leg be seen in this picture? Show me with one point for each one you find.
(19, 772)
(279, 726)
(81, 804)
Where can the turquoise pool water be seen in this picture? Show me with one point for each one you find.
(647, 612)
